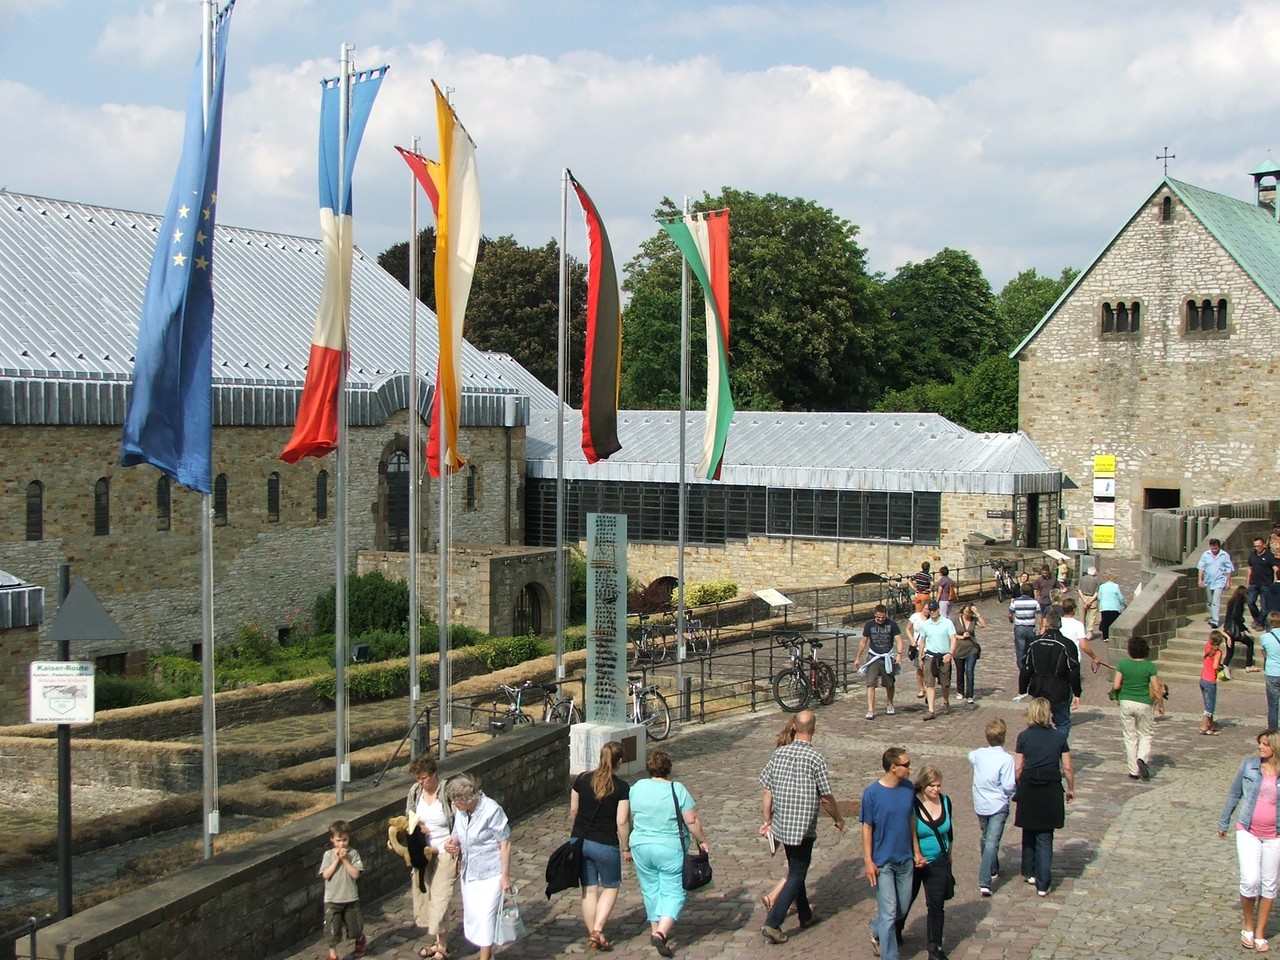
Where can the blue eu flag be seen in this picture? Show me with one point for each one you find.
(169, 423)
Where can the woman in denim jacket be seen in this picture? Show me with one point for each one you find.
(1257, 837)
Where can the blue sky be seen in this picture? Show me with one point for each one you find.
(1024, 133)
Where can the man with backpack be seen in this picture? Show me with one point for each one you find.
(1051, 669)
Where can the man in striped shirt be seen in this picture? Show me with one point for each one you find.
(1024, 614)
(922, 580)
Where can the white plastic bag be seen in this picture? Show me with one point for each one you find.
(508, 927)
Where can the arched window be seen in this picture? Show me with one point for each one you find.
(35, 510)
(220, 500)
(1222, 314)
(163, 503)
(1135, 316)
(528, 613)
(1108, 319)
(322, 495)
(1122, 317)
(1166, 209)
(471, 488)
(102, 507)
(273, 498)
(398, 501)
(1193, 316)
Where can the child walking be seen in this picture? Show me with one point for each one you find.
(993, 788)
(341, 868)
(1213, 654)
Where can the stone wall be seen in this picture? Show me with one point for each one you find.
(773, 561)
(18, 648)
(265, 572)
(485, 583)
(1179, 411)
(265, 896)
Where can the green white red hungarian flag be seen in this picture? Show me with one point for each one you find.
(703, 239)
(601, 376)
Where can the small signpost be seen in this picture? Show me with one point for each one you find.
(61, 692)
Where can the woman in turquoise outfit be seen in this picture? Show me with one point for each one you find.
(656, 849)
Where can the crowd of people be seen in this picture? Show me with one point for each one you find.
(908, 826)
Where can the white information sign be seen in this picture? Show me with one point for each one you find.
(61, 692)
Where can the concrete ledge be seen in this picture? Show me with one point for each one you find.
(266, 895)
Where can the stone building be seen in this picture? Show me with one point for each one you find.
(71, 284)
(804, 498)
(1157, 356)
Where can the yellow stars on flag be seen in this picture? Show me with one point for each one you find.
(198, 256)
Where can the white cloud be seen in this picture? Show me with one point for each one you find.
(150, 36)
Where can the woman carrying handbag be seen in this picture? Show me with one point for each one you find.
(932, 840)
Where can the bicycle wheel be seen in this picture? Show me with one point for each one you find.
(825, 680)
(638, 645)
(658, 646)
(791, 690)
(565, 711)
(519, 716)
(655, 715)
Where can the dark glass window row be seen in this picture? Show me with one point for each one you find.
(720, 514)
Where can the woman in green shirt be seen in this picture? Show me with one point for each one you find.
(1134, 684)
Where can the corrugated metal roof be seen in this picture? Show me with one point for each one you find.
(840, 451)
(71, 283)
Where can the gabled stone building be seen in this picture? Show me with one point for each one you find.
(1162, 354)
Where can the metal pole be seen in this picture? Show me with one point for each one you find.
(208, 722)
(682, 704)
(446, 726)
(562, 341)
(415, 459)
(64, 771)
(341, 769)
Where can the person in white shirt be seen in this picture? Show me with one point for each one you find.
(993, 788)
(1076, 631)
(916, 646)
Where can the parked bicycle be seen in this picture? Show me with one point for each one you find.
(648, 641)
(1006, 585)
(697, 638)
(649, 708)
(807, 678)
(898, 598)
(557, 707)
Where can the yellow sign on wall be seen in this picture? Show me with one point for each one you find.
(1104, 465)
(1104, 538)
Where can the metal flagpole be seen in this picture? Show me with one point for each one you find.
(415, 460)
(208, 721)
(562, 343)
(442, 548)
(342, 771)
(683, 483)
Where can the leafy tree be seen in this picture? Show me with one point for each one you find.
(514, 303)
(515, 308)
(942, 318)
(802, 311)
(1027, 298)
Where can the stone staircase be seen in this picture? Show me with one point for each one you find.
(1180, 660)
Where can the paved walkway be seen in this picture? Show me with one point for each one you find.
(1139, 870)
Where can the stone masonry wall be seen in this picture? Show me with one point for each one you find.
(17, 650)
(1178, 411)
(774, 562)
(269, 890)
(269, 572)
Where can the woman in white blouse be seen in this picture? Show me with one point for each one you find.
(482, 838)
(428, 807)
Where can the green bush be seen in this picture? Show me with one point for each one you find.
(111, 691)
(577, 586)
(713, 591)
(373, 603)
(180, 676)
(499, 652)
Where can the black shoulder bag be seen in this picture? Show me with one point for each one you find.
(950, 889)
(697, 865)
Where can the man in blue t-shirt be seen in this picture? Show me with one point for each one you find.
(887, 849)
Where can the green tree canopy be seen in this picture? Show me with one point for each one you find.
(942, 319)
(514, 305)
(802, 311)
(1027, 297)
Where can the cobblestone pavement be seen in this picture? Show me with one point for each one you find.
(1138, 870)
